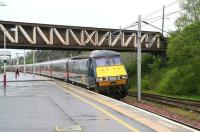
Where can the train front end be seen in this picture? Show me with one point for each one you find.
(111, 75)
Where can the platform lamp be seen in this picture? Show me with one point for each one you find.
(33, 63)
(4, 61)
(13, 30)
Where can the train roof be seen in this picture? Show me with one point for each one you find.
(60, 60)
(97, 53)
(101, 53)
(50, 62)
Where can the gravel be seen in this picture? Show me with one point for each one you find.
(163, 112)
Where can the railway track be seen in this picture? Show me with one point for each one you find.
(191, 105)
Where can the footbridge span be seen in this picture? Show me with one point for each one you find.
(60, 37)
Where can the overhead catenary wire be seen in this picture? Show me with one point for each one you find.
(160, 17)
(136, 22)
(159, 10)
(127, 27)
(155, 26)
(150, 23)
(166, 15)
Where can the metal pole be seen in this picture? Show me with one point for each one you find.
(139, 60)
(163, 19)
(33, 63)
(24, 62)
(17, 64)
(4, 77)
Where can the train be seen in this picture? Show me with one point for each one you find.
(101, 71)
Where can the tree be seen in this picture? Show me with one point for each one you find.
(184, 58)
(191, 13)
(184, 46)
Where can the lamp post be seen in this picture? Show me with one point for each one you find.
(4, 62)
(4, 47)
(24, 62)
(33, 63)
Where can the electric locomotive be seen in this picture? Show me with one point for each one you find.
(100, 70)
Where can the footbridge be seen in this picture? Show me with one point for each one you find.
(60, 37)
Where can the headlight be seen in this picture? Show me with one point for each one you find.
(99, 79)
(105, 78)
(123, 77)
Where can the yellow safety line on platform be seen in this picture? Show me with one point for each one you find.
(102, 110)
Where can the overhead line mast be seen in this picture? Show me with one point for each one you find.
(139, 60)
(163, 19)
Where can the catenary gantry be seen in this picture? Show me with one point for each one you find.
(59, 37)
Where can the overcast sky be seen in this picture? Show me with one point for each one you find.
(90, 13)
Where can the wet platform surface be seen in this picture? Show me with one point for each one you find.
(39, 104)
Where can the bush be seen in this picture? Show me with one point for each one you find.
(180, 81)
(146, 83)
(131, 67)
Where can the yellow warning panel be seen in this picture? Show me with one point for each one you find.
(108, 83)
(105, 71)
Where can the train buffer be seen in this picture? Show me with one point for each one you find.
(40, 104)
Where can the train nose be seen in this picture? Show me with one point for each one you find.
(111, 75)
(111, 71)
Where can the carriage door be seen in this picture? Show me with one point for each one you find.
(91, 75)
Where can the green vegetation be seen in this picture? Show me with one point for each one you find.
(184, 56)
(190, 13)
(150, 72)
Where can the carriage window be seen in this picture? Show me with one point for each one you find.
(114, 60)
(117, 60)
(101, 61)
(111, 61)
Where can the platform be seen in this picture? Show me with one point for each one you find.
(40, 104)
